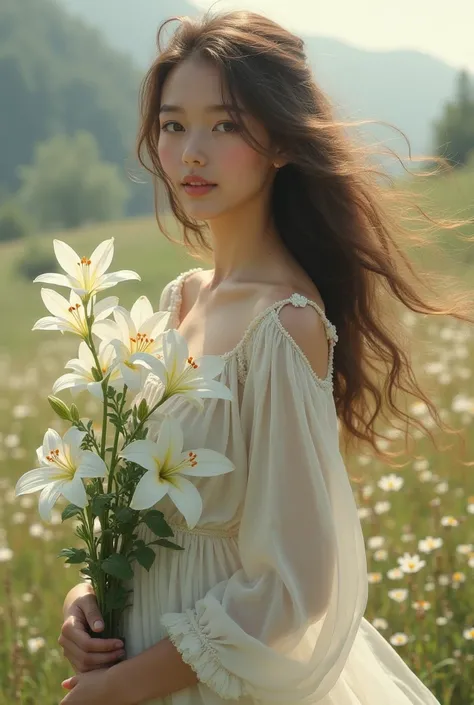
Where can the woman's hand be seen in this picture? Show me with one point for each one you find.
(86, 653)
(93, 688)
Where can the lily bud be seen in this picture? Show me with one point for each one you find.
(60, 408)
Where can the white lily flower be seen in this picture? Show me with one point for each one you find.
(133, 333)
(63, 465)
(82, 378)
(70, 316)
(167, 465)
(86, 275)
(182, 374)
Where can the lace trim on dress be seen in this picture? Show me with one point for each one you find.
(177, 295)
(217, 533)
(240, 350)
(189, 637)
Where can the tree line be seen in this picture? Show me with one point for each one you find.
(69, 119)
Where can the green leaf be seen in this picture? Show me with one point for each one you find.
(156, 523)
(70, 511)
(101, 502)
(60, 408)
(166, 544)
(142, 410)
(73, 555)
(125, 515)
(118, 566)
(145, 556)
(113, 418)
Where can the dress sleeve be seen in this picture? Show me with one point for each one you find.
(280, 629)
(165, 298)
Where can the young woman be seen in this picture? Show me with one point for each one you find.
(266, 603)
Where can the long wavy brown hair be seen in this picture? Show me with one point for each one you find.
(331, 209)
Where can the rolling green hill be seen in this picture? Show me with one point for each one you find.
(140, 246)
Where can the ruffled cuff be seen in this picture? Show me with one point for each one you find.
(195, 648)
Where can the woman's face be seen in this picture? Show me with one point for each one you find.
(198, 138)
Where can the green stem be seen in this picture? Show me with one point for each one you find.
(152, 410)
(113, 461)
(101, 582)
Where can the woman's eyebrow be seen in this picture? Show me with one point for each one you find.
(209, 109)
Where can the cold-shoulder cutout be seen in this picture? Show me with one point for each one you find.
(301, 341)
(306, 329)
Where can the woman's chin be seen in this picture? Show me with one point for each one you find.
(202, 211)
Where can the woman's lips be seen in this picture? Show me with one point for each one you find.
(200, 190)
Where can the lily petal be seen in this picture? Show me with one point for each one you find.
(91, 465)
(156, 366)
(68, 259)
(159, 323)
(209, 366)
(53, 278)
(134, 377)
(211, 389)
(175, 351)
(107, 330)
(73, 437)
(35, 480)
(149, 491)
(85, 356)
(51, 441)
(48, 498)
(209, 464)
(142, 453)
(55, 303)
(126, 325)
(104, 307)
(170, 441)
(52, 323)
(75, 492)
(102, 256)
(141, 311)
(187, 500)
(108, 280)
(69, 380)
(95, 388)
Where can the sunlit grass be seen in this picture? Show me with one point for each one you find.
(424, 509)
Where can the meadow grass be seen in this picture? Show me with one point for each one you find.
(424, 508)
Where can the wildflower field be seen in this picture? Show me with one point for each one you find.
(418, 519)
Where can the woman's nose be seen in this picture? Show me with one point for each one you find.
(194, 153)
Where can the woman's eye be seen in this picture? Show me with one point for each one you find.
(232, 125)
(173, 126)
(167, 124)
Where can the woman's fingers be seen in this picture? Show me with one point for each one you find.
(84, 661)
(88, 605)
(74, 631)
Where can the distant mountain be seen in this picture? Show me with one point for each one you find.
(405, 88)
(130, 26)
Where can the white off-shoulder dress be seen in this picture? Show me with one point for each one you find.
(266, 603)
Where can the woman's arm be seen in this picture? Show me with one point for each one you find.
(155, 673)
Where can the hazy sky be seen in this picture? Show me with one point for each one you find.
(436, 27)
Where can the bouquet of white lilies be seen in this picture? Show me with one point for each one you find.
(113, 478)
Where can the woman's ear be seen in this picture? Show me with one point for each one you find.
(279, 160)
